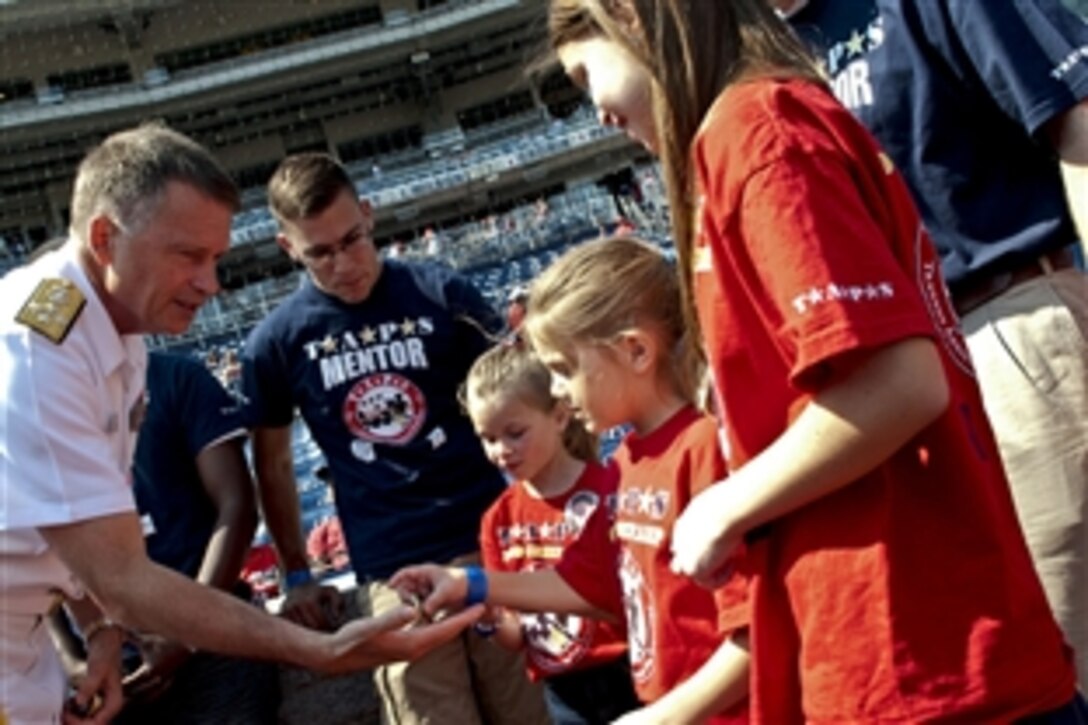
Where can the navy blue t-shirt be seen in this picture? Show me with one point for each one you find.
(376, 383)
(958, 93)
(187, 411)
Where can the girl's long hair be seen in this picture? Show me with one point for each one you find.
(693, 50)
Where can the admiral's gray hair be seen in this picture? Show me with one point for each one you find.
(126, 174)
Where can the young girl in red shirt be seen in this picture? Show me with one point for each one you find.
(890, 580)
(605, 319)
(557, 486)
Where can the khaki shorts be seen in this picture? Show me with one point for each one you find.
(1029, 346)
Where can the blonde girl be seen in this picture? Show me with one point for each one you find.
(606, 321)
(557, 485)
(893, 583)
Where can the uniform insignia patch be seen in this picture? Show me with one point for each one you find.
(53, 308)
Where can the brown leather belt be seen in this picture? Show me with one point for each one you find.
(978, 292)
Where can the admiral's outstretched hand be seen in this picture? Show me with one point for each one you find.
(394, 636)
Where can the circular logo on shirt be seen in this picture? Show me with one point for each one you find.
(579, 508)
(385, 408)
(555, 641)
(939, 302)
(638, 607)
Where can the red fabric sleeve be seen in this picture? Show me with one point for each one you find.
(823, 273)
(490, 553)
(589, 564)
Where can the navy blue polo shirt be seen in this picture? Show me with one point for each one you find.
(376, 383)
(187, 412)
(959, 92)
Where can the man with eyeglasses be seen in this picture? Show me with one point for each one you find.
(371, 354)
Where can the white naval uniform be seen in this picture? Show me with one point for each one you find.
(66, 448)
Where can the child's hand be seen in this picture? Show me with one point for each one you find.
(702, 538)
(439, 587)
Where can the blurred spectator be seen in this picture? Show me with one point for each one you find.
(541, 210)
(432, 242)
(624, 227)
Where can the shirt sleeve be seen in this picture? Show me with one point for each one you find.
(211, 414)
(58, 466)
(589, 564)
(821, 271)
(1031, 57)
(490, 550)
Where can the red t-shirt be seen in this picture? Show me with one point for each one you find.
(521, 532)
(673, 624)
(909, 594)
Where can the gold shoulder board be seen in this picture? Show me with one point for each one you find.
(53, 308)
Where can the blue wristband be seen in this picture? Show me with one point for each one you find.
(296, 578)
(477, 586)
